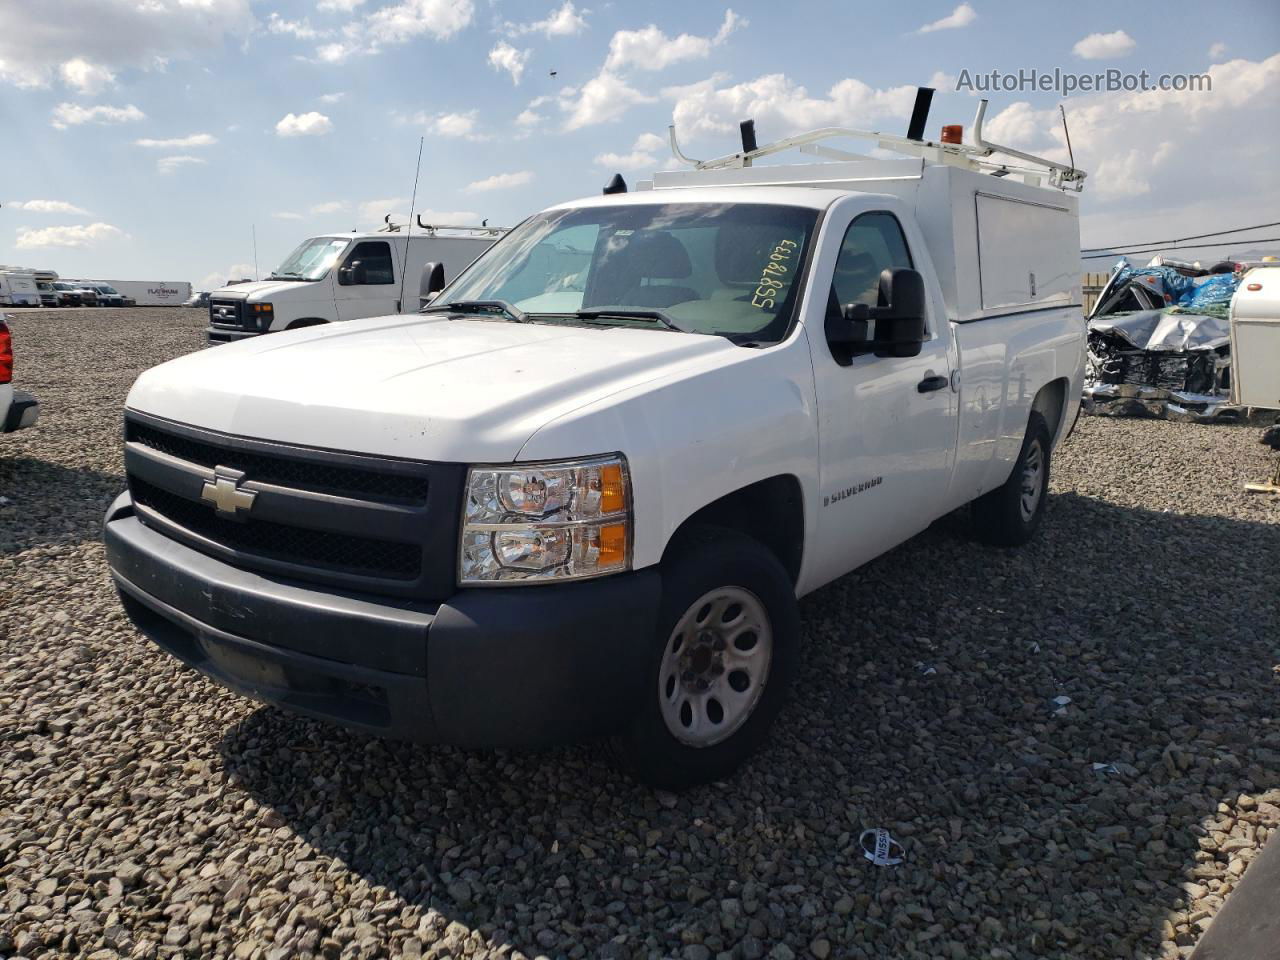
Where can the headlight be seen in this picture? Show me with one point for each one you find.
(546, 521)
(264, 313)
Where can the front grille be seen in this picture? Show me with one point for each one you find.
(227, 313)
(276, 541)
(355, 521)
(300, 474)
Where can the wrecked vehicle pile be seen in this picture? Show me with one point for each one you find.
(1159, 343)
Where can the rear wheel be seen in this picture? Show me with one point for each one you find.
(1010, 515)
(720, 663)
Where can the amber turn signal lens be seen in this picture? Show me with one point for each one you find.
(613, 545)
(613, 497)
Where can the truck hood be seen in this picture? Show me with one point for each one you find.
(259, 290)
(423, 388)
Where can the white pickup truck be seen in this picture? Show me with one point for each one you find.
(18, 409)
(581, 493)
(343, 276)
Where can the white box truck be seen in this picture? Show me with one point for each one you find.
(343, 276)
(152, 293)
(581, 494)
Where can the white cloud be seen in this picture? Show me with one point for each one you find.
(88, 78)
(651, 49)
(219, 278)
(961, 16)
(501, 181)
(80, 235)
(460, 125)
(1104, 46)
(179, 143)
(604, 97)
(176, 163)
(641, 156)
(1217, 50)
(529, 118)
(398, 23)
(286, 215)
(338, 6)
(86, 43)
(333, 97)
(372, 211)
(1138, 170)
(506, 57)
(47, 206)
(73, 115)
(301, 29)
(564, 21)
(330, 206)
(303, 125)
(781, 106)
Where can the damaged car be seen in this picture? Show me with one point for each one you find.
(1159, 342)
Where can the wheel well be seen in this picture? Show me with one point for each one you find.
(305, 322)
(769, 511)
(1050, 403)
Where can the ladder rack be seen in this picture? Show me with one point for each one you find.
(1030, 167)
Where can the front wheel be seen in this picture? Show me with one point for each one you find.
(1010, 515)
(727, 633)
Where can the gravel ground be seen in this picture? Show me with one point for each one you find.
(146, 812)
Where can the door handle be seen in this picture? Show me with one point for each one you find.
(929, 384)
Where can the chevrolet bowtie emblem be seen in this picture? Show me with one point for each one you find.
(225, 494)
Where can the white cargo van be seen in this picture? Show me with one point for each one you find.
(580, 494)
(343, 276)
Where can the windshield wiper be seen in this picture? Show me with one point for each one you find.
(287, 276)
(628, 313)
(478, 306)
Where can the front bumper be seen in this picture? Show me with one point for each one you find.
(24, 411)
(217, 335)
(517, 666)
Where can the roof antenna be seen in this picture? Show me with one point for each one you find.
(615, 185)
(413, 203)
(1067, 134)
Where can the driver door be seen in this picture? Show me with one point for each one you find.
(379, 294)
(887, 425)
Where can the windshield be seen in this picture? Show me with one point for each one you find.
(312, 259)
(103, 288)
(717, 268)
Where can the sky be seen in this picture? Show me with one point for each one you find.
(152, 139)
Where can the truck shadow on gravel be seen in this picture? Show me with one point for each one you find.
(1097, 826)
(46, 503)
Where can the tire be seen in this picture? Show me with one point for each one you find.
(746, 666)
(1010, 515)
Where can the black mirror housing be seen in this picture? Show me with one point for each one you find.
(430, 283)
(898, 317)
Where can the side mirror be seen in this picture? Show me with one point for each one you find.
(352, 275)
(898, 317)
(900, 321)
(430, 283)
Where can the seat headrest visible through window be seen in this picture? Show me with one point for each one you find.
(657, 256)
(742, 250)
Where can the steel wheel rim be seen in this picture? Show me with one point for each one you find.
(1032, 480)
(715, 666)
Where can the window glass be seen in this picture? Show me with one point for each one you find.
(312, 259)
(376, 257)
(873, 242)
(731, 269)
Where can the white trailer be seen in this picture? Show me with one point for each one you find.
(154, 293)
(18, 288)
